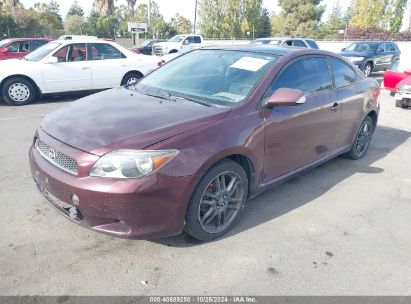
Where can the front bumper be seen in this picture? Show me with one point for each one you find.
(137, 208)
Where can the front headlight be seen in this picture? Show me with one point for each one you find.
(131, 163)
(354, 59)
(404, 88)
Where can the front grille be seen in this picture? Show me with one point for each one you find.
(57, 158)
(158, 50)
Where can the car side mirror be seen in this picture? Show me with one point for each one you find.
(52, 60)
(286, 97)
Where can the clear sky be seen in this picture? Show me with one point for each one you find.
(170, 7)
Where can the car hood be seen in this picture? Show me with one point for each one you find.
(356, 54)
(124, 119)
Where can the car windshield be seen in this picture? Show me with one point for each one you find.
(177, 38)
(145, 43)
(4, 42)
(213, 77)
(42, 52)
(362, 47)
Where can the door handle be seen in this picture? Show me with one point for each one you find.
(85, 68)
(335, 107)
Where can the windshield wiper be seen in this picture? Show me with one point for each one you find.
(204, 103)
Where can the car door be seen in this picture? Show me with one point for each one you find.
(72, 72)
(383, 58)
(300, 134)
(18, 49)
(108, 65)
(350, 100)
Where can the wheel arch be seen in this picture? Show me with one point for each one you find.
(131, 72)
(374, 116)
(38, 90)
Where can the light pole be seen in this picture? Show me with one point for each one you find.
(195, 18)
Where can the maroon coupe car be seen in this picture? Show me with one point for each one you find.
(188, 145)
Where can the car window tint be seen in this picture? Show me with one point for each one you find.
(288, 43)
(382, 48)
(343, 74)
(309, 75)
(100, 51)
(197, 39)
(72, 53)
(299, 43)
(19, 47)
(35, 44)
(312, 44)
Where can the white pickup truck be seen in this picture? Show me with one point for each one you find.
(175, 44)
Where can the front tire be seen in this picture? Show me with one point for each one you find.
(131, 78)
(367, 69)
(362, 140)
(18, 91)
(217, 201)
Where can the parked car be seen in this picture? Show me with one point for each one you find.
(188, 145)
(68, 66)
(184, 50)
(175, 44)
(288, 41)
(146, 48)
(20, 47)
(399, 84)
(372, 56)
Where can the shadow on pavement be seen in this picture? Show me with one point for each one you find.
(313, 184)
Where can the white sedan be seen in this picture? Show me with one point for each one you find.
(68, 66)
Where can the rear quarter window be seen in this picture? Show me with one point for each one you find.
(312, 44)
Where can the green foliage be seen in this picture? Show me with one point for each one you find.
(75, 25)
(298, 18)
(75, 9)
(233, 19)
(335, 23)
(181, 24)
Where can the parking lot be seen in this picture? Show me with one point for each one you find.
(340, 229)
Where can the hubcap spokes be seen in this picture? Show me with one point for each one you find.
(19, 92)
(363, 138)
(221, 202)
(131, 81)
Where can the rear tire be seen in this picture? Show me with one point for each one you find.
(18, 91)
(362, 140)
(217, 202)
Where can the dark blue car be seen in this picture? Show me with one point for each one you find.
(372, 56)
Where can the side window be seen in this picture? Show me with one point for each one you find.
(35, 44)
(19, 47)
(382, 48)
(197, 39)
(102, 51)
(343, 74)
(392, 47)
(288, 43)
(299, 43)
(309, 74)
(190, 40)
(312, 44)
(72, 53)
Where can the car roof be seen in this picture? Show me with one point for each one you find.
(74, 41)
(284, 38)
(263, 49)
(28, 39)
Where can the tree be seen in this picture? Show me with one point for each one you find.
(265, 25)
(181, 24)
(131, 4)
(368, 14)
(211, 18)
(75, 9)
(396, 15)
(334, 24)
(12, 3)
(105, 7)
(107, 27)
(300, 17)
(251, 16)
(75, 25)
(48, 16)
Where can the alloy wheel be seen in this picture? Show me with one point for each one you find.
(363, 138)
(221, 202)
